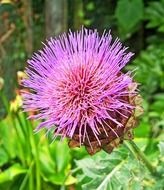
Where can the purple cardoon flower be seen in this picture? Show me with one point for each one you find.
(77, 86)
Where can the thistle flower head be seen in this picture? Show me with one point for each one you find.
(77, 86)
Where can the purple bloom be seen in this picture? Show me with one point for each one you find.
(77, 86)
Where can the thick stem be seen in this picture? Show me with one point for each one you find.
(140, 156)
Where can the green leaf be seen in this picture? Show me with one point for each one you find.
(150, 73)
(11, 172)
(161, 148)
(5, 135)
(90, 6)
(55, 164)
(3, 156)
(70, 180)
(48, 166)
(143, 129)
(158, 104)
(60, 179)
(61, 154)
(129, 14)
(155, 15)
(110, 172)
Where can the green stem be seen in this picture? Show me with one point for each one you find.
(36, 154)
(4, 101)
(22, 126)
(140, 156)
(38, 180)
(28, 174)
(20, 144)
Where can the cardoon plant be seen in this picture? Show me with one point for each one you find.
(78, 89)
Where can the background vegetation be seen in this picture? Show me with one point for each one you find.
(31, 161)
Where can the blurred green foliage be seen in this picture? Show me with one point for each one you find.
(155, 15)
(129, 15)
(30, 161)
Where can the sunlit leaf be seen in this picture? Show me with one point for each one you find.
(161, 148)
(11, 172)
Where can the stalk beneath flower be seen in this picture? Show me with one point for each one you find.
(140, 156)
